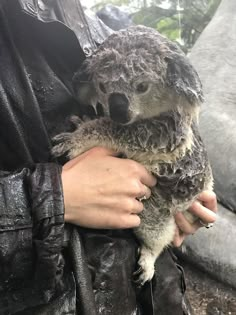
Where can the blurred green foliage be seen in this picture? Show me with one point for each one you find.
(182, 21)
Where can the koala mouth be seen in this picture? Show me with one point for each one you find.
(119, 108)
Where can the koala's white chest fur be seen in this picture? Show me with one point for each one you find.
(151, 95)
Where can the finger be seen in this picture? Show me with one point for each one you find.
(128, 206)
(208, 198)
(178, 238)
(145, 177)
(110, 221)
(129, 221)
(102, 151)
(137, 207)
(184, 225)
(99, 151)
(148, 179)
(145, 192)
(134, 188)
(134, 221)
(139, 172)
(203, 213)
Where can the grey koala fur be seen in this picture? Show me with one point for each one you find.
(150, 95)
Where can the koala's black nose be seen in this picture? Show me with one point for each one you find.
(119, 107)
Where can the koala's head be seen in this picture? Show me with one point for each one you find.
(137, 74)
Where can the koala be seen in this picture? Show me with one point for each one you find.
(149, 95)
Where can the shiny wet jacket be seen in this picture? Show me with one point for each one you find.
(45, 266)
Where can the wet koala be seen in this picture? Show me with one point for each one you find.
(150, 97)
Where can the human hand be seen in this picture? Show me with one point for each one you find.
(100, 190)
(205, 209)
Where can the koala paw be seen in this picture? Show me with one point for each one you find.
(61, 144)
(146, 269)
(76, 121)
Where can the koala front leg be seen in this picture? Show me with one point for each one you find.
(89, 134)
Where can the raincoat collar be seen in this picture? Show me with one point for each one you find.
(89, 30)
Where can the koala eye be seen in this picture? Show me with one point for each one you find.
(142, 87)
(102, 88)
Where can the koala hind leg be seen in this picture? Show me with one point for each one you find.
(153, 241)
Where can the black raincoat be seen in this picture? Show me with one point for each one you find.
(45, 267)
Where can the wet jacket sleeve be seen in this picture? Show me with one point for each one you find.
(31, 234)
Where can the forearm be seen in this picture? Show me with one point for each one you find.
(31, 231)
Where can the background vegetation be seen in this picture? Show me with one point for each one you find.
(180, 20)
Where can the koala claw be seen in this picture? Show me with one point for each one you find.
(146, 268)
(137, 272)
(140, 277)
(76, 120)
(61, 144)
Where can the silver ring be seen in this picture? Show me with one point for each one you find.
(206, 225)
(142, 198)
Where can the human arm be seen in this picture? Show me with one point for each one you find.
(205, 209)
(31, 235)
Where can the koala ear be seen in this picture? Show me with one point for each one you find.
(81, 76)
(183, 78)
(83, 87)
(86, 93)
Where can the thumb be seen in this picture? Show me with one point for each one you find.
(101, 151)
(94, 152)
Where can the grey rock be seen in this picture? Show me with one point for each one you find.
(114, 17)
(213, 250)
(214, 58)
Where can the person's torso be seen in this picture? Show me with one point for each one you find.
(37, 64)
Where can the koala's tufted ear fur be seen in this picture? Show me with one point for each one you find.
(183, 78)
(83, 87)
